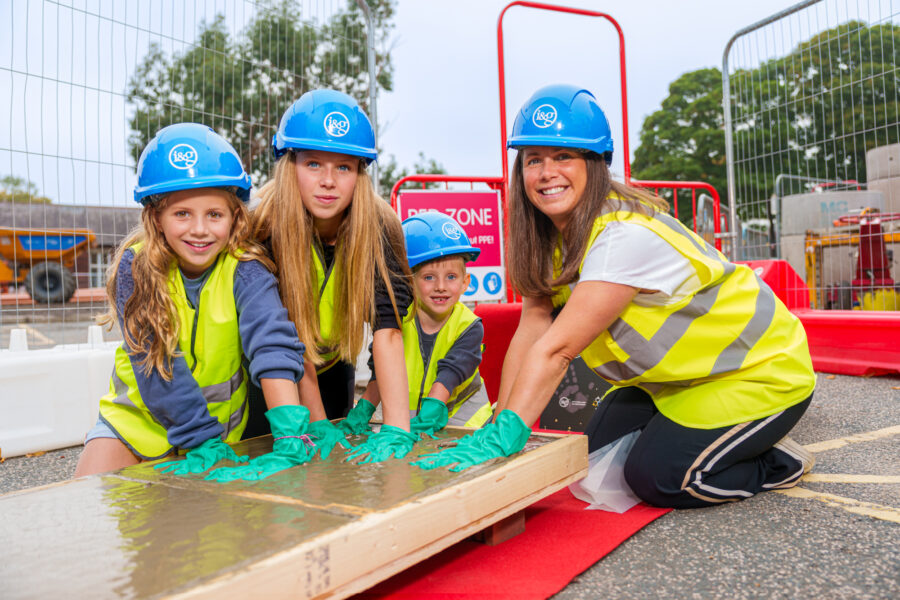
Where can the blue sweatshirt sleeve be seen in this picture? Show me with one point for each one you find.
(178, 405)
(462, 359)
(270, 340)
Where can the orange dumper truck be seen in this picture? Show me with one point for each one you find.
(42, 260)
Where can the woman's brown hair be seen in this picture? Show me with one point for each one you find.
(281, 221)
(149, 318)
(533, 237)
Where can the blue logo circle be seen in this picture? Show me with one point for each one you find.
(492, 283)
(473, 285)
(183, 157)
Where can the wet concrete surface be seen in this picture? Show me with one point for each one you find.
(770, 546)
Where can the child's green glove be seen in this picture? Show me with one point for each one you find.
(325, 435)
(290, 448)
(432, 417)
(357, 420)
(505, 436)
(201, 458)
(390, 441)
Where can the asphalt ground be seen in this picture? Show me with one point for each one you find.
(837, 535)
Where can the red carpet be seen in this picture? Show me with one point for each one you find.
(561, 540)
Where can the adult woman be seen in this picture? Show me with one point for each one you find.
(704, 359)
(341, 262)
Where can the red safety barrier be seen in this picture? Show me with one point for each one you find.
(852, 342)
(500, 322)
(784, 281)
(656, 186)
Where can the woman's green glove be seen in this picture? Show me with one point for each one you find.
(291, 447)
(505, 436)
(432, 417)
(325, 435)
(201, 458)
(390, 441)
(357, 420)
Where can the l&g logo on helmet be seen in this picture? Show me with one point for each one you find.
(544, 116)
(336, 124)
(183, 156)
(451, 230)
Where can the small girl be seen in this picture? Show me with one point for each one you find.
(191, 292)
(341, 264)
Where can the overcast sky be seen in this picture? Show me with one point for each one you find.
(445, 98)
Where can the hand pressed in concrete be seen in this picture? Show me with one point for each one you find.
(506, 436)
(389, 442)
(201, 458)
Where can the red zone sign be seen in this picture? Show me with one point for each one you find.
(478, 213)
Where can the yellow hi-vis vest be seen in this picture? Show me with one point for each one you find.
(728, 353)
(210, 341)
(326, 282)
(421, 370)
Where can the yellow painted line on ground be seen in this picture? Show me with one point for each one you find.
(852, 439)
(849, 478)
(38, 336)
(867, 509)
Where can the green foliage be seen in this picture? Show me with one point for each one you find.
(241, 85)
(812, 113)
(17, 189)
(685, 139)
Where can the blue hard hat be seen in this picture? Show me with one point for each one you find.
(326, 120)
(431, 235)
(563, 115)
(187, 156)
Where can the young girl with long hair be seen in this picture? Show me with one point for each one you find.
(341, 264)
(705, 361)
(192, 292)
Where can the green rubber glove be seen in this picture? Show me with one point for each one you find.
(357, 420)
(325, 435)
(291, 447)
(390, 441)
(432, 417)
(506, 436)
(201, 458)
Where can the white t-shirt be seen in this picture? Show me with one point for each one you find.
(633, 255)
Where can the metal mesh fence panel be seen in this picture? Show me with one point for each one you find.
(814, 157)
(86, 84)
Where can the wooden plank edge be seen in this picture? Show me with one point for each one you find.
(446, 517)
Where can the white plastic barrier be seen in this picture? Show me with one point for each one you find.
(50, 398)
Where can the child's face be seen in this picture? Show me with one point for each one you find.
(439, 285)
(326, 182)
(197, 225)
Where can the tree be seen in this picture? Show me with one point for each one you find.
(241, 86)
(812, 113)
(17, 189)
(685, 139)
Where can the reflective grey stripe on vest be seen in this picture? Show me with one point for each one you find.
(467, 408)
(235, 419)
(644, 354)
(732, 357)
(679, 228)
(121, 391)
(222, 392)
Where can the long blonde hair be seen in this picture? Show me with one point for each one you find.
(282, 221)
(533, 237)
(150, 321)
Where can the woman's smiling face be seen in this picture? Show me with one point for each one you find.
(555, 179)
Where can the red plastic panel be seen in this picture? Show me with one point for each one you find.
(852, 342)
(500, 322)
(784, 281)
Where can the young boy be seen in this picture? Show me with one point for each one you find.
(441, 338)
